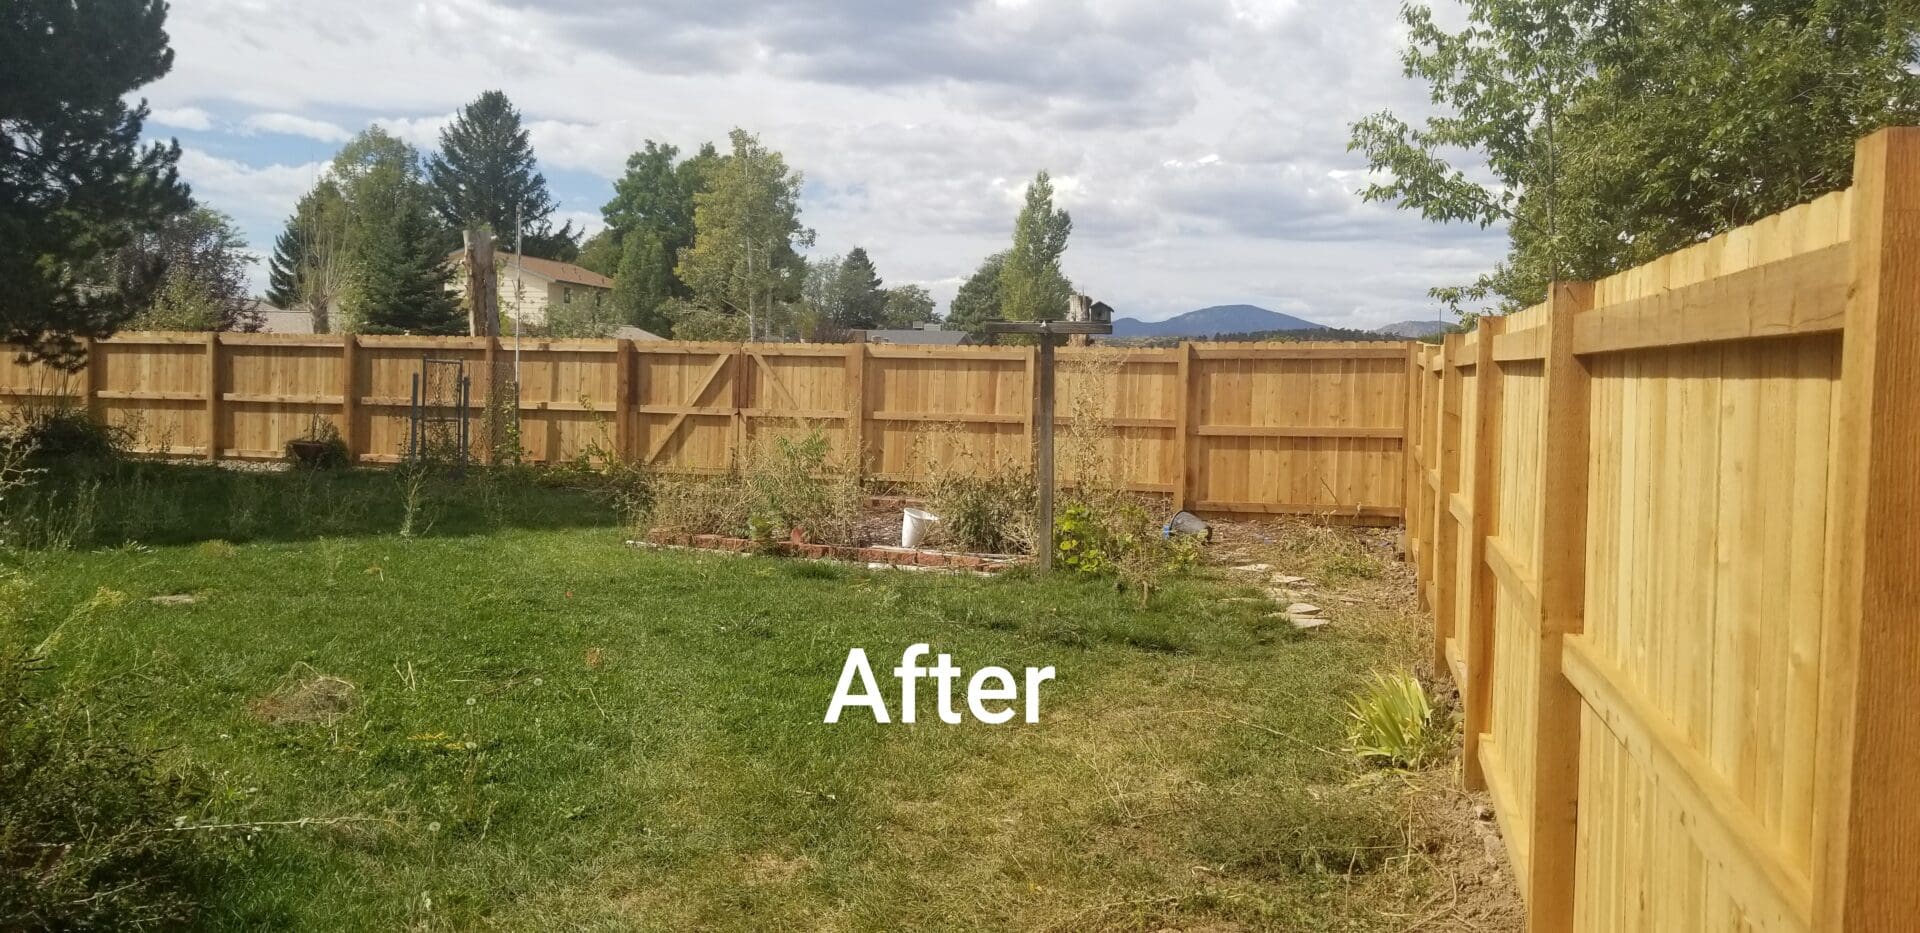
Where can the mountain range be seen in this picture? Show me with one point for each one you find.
(1207, 322)
(1414, 330)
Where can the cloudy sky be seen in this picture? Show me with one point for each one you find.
(1200, 144)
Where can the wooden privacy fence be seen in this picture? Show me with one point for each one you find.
(1243, 428)
(1668, 525)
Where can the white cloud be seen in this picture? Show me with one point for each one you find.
(184, 118)
(1201, 145)
(288, 124)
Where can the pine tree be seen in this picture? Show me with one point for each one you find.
(485, 173)
(76, 184)
(1032, 287)
(860, 300)
(283, 269)
(401, 276)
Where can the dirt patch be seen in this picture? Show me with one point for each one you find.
(767, 868)
(308, 697)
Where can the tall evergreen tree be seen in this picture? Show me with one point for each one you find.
(283, 267)
(75, 182)
(860, 301)
(485, 173)
(401, 276)
(1032, 287)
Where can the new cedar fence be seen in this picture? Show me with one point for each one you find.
(1668, 524)
(1242, 428)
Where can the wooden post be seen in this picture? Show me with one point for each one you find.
(93, 377)
(857, 410)
(490, 360)
(623, 360)
(1183, 430)
(1476, 695)
(1033, 404)
(1410, 462)
(1867, 818)
(483, 287)
(740, 398)
(213, 395)
(1562, 564)
(350, 395)
(1446, 531)
(1043, 415)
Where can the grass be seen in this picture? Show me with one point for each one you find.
(511, 721)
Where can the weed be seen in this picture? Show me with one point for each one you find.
(1391, 724)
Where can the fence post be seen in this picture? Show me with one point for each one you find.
(213, 395)
(1562, 563)
(350, 394)
(1410, 460)
(857, 410)
(1446, 531)
(740, 376)
(90, 386)
(1868, 815)
(1484, 505)
(623, 360)
(1183, 429)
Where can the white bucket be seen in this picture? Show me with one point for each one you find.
(914, 524)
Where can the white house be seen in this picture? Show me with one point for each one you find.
(529, 286)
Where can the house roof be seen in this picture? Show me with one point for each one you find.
(926, 337)
(545, 268)
(280, 320)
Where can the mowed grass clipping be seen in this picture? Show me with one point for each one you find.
(494, 726)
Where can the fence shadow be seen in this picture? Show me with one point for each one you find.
(80, 504)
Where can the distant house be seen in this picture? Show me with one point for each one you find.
(280, 320)
(931, 334)
(530, 286)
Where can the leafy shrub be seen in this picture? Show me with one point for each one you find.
(64, 433)
(796, 485)
(1391, 724)
(1082, 540)
(991, 513)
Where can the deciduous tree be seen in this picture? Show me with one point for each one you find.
(978, 300)
(745, 256)
(1032, 286)
(1615, 132)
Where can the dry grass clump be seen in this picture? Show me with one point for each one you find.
(985, 506)
(314, 698)
(784, 485)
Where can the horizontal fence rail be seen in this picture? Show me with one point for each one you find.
(1668, 526)
(1308, 428)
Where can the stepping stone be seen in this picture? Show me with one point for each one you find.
(1308, 623)
(1254, 568)
(1285, 580)
(1282, 596)
(177, 599)
(1303, 609)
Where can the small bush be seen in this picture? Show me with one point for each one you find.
(59, 434)
(795, 484)
(990, 513)
(1391, 724)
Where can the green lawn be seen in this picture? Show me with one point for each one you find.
(550, 730)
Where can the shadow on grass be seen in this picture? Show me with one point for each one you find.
(88, 504)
